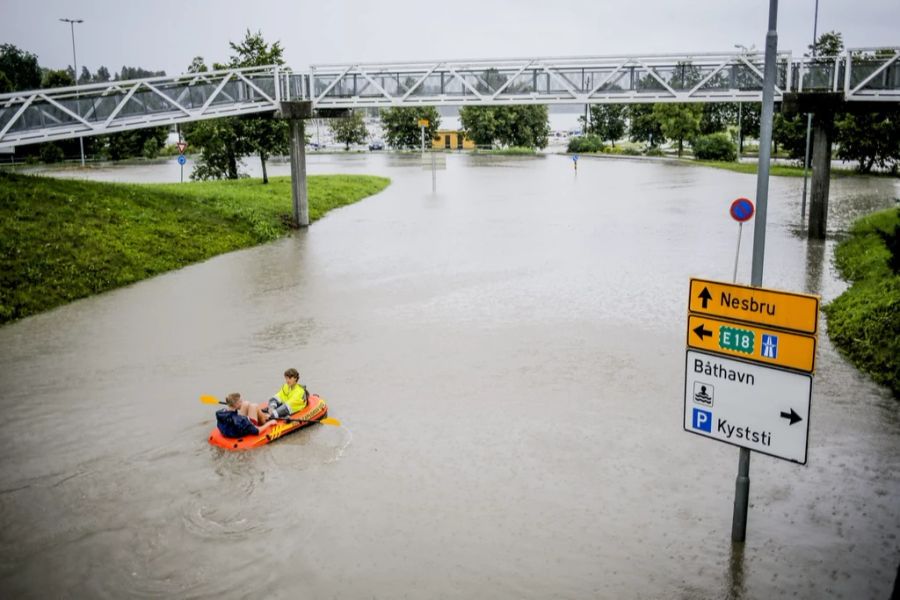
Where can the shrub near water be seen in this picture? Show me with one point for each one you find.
(864, 321)
(61, 240)
(715, 146)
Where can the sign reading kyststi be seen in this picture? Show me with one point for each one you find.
(769, 308)
(747, 405)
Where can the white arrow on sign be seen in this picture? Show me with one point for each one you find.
(748, 405)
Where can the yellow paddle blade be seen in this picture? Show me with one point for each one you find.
(209, 400)
(331, 421)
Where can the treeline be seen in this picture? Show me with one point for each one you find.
(20, 71)
(716, 131)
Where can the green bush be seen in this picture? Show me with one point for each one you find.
(654, 151)
(715, 146)
(51, 153)
(864, 321)
(586, 143)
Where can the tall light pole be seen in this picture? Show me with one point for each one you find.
(71, 23)
(809, 118)
(745, 51)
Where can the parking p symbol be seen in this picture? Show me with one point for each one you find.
(702, 420)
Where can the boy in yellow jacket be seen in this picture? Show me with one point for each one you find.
(290, 398)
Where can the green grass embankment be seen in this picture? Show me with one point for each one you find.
(61, 240)
(775, 170)
(864, 321)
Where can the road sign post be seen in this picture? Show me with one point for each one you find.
(741, 210)
(181, 145)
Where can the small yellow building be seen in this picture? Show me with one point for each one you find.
(447, 139)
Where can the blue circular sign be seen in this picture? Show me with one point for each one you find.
(741, 210)
(575, 157)
(181, 160)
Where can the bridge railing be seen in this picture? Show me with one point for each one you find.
(654, 78)
(101, 108)
(872, 74)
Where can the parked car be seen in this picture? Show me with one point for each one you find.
(376, 145)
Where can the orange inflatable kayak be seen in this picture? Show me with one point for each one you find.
(315, 410)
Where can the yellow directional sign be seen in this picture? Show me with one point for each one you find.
(766, 346)
(423, 122)
(769, 308)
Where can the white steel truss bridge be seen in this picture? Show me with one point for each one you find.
(864, 74)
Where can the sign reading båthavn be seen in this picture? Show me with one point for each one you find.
(770, 308)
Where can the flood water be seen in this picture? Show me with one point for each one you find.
(507, 358)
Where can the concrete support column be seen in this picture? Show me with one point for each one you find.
(823, 127)
(295, 112)
(298, 174)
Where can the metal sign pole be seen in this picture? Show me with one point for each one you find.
(738, 252)
(433, 174)
(742, 483)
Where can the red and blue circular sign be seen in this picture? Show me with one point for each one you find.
(741, 210)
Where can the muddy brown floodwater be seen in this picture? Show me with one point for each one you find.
(507, 357)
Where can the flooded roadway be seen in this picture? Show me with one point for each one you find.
(507, 357)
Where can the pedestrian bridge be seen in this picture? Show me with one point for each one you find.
(865, 74)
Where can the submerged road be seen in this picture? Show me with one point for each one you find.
(507, 357)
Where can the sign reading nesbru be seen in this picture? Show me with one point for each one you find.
(750, 355)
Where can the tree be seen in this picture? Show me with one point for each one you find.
(607, 121)
(401, 125)
(480, 124)
(525, 126)
(790, 132)
(264, 135)
(829, 45)
(222, 142)
(678, 121)
(19, 70)
(220, 145)
(350, 130)
(643, 126)
(57, 78)
(517, 125)
(102, 75)
(717, 116)
(870, 138)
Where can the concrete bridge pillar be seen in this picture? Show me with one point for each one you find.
(823, 105)
(295, 112)
(823, 128)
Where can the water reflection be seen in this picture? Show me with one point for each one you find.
(735, 576)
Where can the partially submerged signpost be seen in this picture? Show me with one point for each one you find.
(759, 402)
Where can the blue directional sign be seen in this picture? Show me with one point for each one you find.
(181, 160)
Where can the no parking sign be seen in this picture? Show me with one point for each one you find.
(741, 210)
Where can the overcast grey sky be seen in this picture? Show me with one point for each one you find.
(167, 34)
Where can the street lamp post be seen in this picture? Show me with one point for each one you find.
(71, 23)
(809, 118)
(744, 51)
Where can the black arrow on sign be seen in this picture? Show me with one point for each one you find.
(794, 417)
(705, 296)
(702, 331)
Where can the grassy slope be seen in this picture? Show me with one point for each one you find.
(61, 239)
(864, 321)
